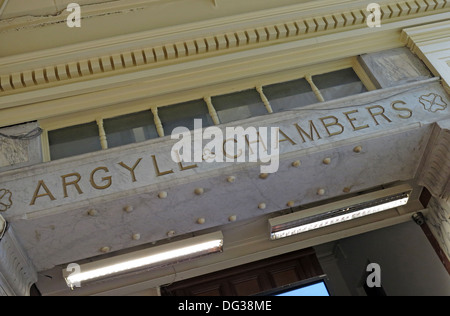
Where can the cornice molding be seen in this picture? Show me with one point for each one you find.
(20, 74)
(144, 89)
(432, 44)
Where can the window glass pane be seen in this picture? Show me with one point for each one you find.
(238, 106)
(288, 95)
(131, 128)
(339, 84)
(183, 115)
(74, 140)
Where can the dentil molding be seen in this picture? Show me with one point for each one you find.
(155, 49)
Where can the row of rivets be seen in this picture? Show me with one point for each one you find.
(170, 233)
(230, 179)
(197, 191)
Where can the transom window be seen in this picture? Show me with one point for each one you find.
(130, 128)
(289, 95)
(183, 114)
(220, 109)
(238, 106)
(74, 140)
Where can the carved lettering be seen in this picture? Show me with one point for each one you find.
(257, 141)
(36, 195)
(286, 138)
(158, 172)
(379, 113)
(409, 111)
(312, 129)
(183, 168)
(131, 169)
(233, 146)
(107, 179)
(241, 136)
(74, 182)
(225, 151)
(352, 119)
(335, 122)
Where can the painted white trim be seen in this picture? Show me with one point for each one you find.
(3, 6)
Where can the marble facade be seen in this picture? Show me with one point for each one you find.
(105, 198)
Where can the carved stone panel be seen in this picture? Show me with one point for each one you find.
(20, 146)
(17, 273)
(394, 67)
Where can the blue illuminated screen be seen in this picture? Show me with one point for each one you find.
(316, 289)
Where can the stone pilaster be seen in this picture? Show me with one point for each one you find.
(438, 220)
(17, 273)
(435, 174)
(431, 43)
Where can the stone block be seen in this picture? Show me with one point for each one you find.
(394, 67)
(18, 153)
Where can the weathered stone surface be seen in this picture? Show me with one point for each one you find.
(51, 202)
(394, 67)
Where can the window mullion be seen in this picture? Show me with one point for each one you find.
(102, 134)
(264, 99)
(45, 146)
(212, 110)
(158, 123)
(314, 88)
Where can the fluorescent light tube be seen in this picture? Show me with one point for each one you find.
(338, 212)
(161, 256)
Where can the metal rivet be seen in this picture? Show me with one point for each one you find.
(346, 190)
(357, 149)
(105, 249)
(92, 212)
(199, 191)
(162, 195)
(262, 206)
(231, 179)
(136, 236)
(321, 191)
(327, 161)
(171, 233)
(232, 218)
(201, 221)
(128, 209)
(290, 203)
(296, 163)
(263, 175)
